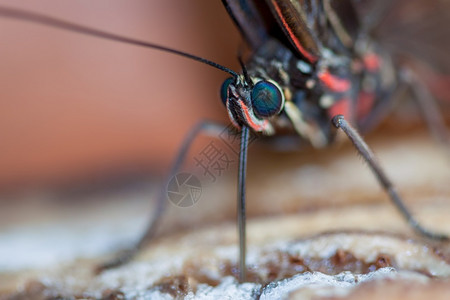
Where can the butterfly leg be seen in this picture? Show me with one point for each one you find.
(208, 127)
(425, 101)
(367, 154)
(428, 107)
(242, 172)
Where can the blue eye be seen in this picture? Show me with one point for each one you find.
(267, 99)
(224, 90)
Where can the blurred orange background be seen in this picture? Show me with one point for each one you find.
(73, 105)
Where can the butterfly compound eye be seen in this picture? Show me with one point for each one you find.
(224, 90)
(267, 99)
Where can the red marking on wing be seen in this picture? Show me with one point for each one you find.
(334, 83)
(365, 104)
(437, 82)
(341, 107)
(291, 34)
(372, 62)
(440, 88)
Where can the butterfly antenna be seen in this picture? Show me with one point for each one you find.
(244, 71)
(36, 18)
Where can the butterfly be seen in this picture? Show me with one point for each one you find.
(315, 66)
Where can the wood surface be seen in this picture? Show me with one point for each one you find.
(324, 200)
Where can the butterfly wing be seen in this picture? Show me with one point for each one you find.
(305, 26)
(419, 31)
(249, 20)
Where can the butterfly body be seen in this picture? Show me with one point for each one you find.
(313, 65)
(327, 70)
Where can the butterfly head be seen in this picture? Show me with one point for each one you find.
(252, 102)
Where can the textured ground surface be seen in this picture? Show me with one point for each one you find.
(293, 200)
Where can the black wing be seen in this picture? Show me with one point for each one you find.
(305, 26)
(249, 21)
